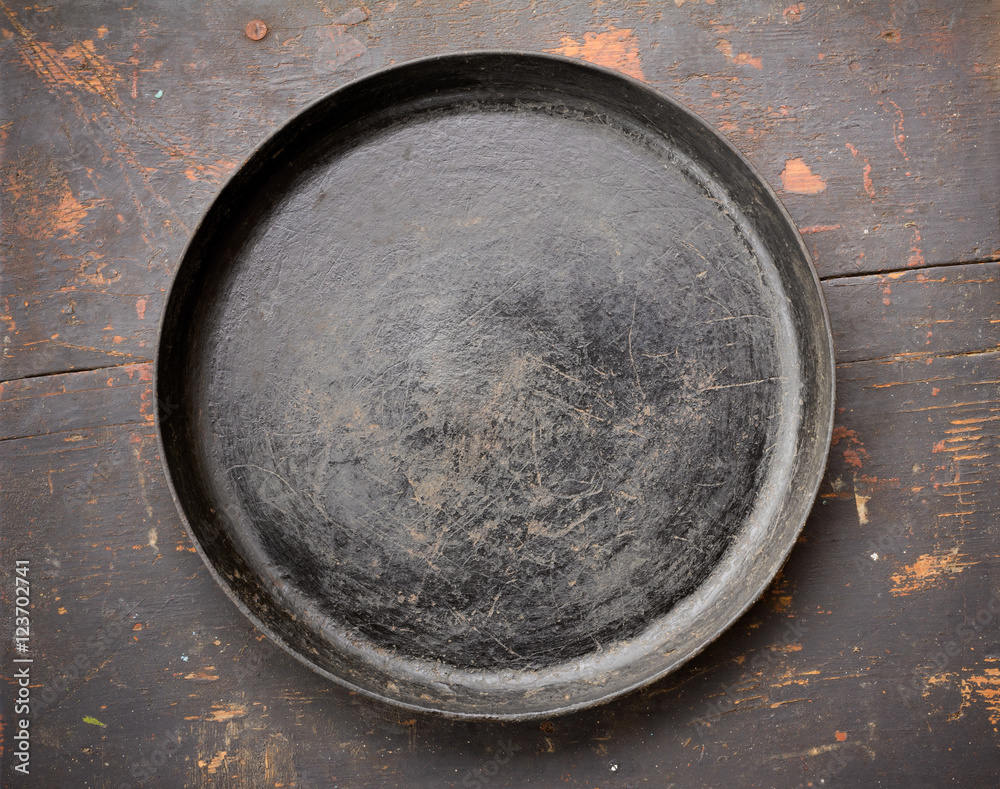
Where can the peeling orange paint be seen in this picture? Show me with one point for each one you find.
(225, 712)
(679, 3)
(898, 132)
(740, 59)
(44, 206)
(984, 687)
(8, 319)
(792, 677)
(615, 48)
(65, 219)
(213, 765)
(78, 67)
(782, 603)
(780, 594)
(213, 173)
(134, 61)
(798, 178)
(867, 176)
(793, 13)
(854, 450)
(202, 674)
(146, 405)
(916, 254)
(852, 457)
(140, 308)
(929, 570)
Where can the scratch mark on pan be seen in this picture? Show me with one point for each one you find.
(744, 383)
(630, 354)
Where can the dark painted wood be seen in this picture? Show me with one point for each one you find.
(877, 316)
(849, 665)
(855, 669)
(882, 118)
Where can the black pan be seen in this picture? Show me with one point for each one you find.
(495, 385)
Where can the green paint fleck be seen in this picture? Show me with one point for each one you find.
(159, 94)
(94, 721)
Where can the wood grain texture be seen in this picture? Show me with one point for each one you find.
(443, 420)
(125, 122)
(872, 660)
(885, 313)
(880, 639)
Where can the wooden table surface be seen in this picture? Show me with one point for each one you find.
(874, 658)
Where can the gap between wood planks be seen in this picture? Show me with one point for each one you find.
(77, 370)
(829, 278)
(909, 356)
(883, 271)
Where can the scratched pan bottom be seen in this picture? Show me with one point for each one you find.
(495, 385)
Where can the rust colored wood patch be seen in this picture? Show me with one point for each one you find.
(798, 178)
(615, 48)
(928, 571)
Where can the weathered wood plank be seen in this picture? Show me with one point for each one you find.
(873, 657)
(877, 125)
(61, 403)
(878, 316)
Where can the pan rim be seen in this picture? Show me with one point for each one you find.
(806, 492)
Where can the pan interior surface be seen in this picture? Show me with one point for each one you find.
(498, 383)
